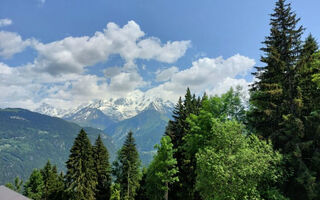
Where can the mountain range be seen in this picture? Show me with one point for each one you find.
(146, 117)
(29, 139)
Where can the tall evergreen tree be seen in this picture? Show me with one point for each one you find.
(53, 185)
(177, 129)
(283, 98)
(305, 72)
(127, 170)
(274, 94)
(33, 188)
(81, 178)
(102, 169)
(162, 172)
(142, 191)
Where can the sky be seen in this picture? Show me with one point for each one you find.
(68, 52)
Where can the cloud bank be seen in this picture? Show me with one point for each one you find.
(59, 74)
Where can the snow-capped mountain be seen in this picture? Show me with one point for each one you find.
(90, 117)
(50, 110)
(124, 108)
(116, 109)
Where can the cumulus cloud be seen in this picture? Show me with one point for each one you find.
(73, 54)
(59, 74)
(5, 22)
(205, 74)
(166, 74)
(12, 43)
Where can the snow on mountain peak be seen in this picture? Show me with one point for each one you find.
(116, 108)
(50, 110)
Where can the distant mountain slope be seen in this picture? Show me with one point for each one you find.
(148, 128)
(29, 139)
(92, 117)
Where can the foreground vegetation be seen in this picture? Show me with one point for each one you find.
(217, 148)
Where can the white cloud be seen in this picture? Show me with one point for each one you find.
(166, 74)
(205, 74)
(5, 22)
(73, 54)
(227, 83)
(59, 75)
(12, 43)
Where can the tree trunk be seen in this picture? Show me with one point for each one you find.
(166, 193)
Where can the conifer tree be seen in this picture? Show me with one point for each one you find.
(81, 178)
(127, 169)
(275, 92)
(53, 185)
(177, 129)
(307, 68)
(162, 171)
(142, 191)
(102, 169)
(33, 188)
(115, 192)
(17, 186)
(283, 98)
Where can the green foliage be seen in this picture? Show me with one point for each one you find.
(28, 140)
(33, 188)
(148, 127)
(232, 165)
(284, 98)
(53, 185)
(17, 186)
(115, 192)
(227, 106)
(177, 129)
(142, 191)
(162, 172)
(127, 169)
(81, 178)
(315, 67)
(102, 169)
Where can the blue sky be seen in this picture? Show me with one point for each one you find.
(62, 52)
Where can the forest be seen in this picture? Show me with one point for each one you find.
(215, 147)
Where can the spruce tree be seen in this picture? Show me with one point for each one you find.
(305, 72)
(17, 186)
(283, 98)
(33, 188)
(142, 191)
(177, 129)
(53, 185)
(127, 169)
(162, 172)
(81, 178)
(274, 92)
(102, 169)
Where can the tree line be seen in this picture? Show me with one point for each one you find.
(218, 147)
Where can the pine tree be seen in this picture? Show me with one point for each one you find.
(127, 169)
(102, 169)
(53, 185)
(283, 98)
(305, 72)
(142, 191)
(177, 129)
(17, 186)
(115, 192)
(81, 178)
(162, 171)
(33, 188)
(274, 94)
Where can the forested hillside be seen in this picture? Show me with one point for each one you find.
(29, 140)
